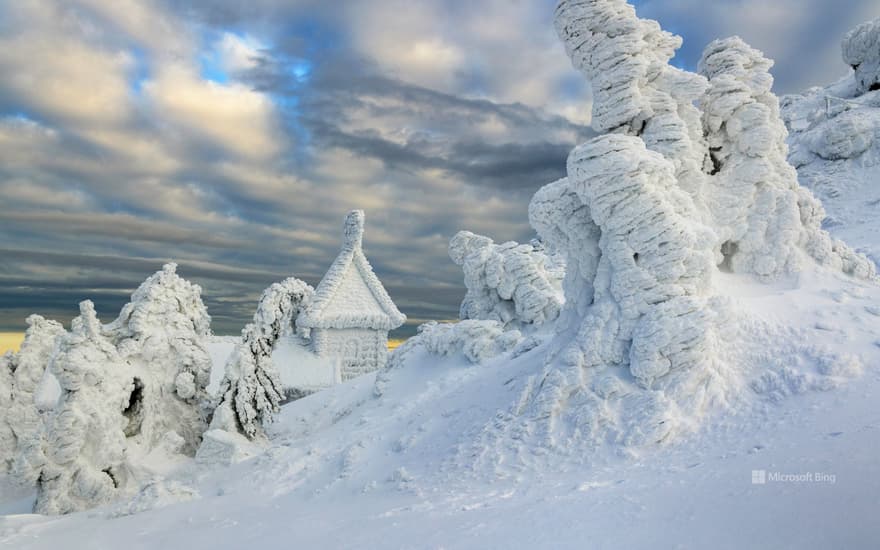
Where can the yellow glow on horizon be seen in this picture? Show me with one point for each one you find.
(394, 343)
(10, 341)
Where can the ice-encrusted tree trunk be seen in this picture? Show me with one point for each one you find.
(23, 417)
(163, 333)
(84, 442)
(518, 285)
(251, 390)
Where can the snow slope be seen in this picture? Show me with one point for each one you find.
(417, 468)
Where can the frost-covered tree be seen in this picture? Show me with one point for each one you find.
(518, 285)
(861, 51)
(163, 334)
(251, 390)
(84, 462)
(24, 418)
(7, 438)
(764, 219)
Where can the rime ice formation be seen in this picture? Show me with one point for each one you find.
(162, 332)
(251, 390)
(861, 51)
(762, 216)
(23, 417)
(350, 316)
(517, 285)
(635, 90)
(690, 177)
(84, 443)
(637, 93)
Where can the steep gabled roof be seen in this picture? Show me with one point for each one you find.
(367, 304)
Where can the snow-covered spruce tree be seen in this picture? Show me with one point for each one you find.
(764, 219)
(24, 418)
(518, 285)
(84, 442)
(251, 390)
(163, 333)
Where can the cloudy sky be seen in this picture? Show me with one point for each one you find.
(234, 136)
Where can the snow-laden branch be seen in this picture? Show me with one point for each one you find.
(251, 390)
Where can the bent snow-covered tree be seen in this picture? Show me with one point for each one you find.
(251, 390)
(84, 461)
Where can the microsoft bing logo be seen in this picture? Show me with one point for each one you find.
(759, 477)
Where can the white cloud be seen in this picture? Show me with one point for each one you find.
(232, 116)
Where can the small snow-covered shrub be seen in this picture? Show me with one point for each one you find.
(84, 462)
(515, 284)
(251, 390)
(477, 340)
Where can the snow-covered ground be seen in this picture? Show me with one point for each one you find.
(417, 468)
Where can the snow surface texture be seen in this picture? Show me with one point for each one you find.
(517, 285)
(162, 333)
(251, 390)
(835, 142)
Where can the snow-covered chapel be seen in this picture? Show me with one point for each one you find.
(349, 318)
